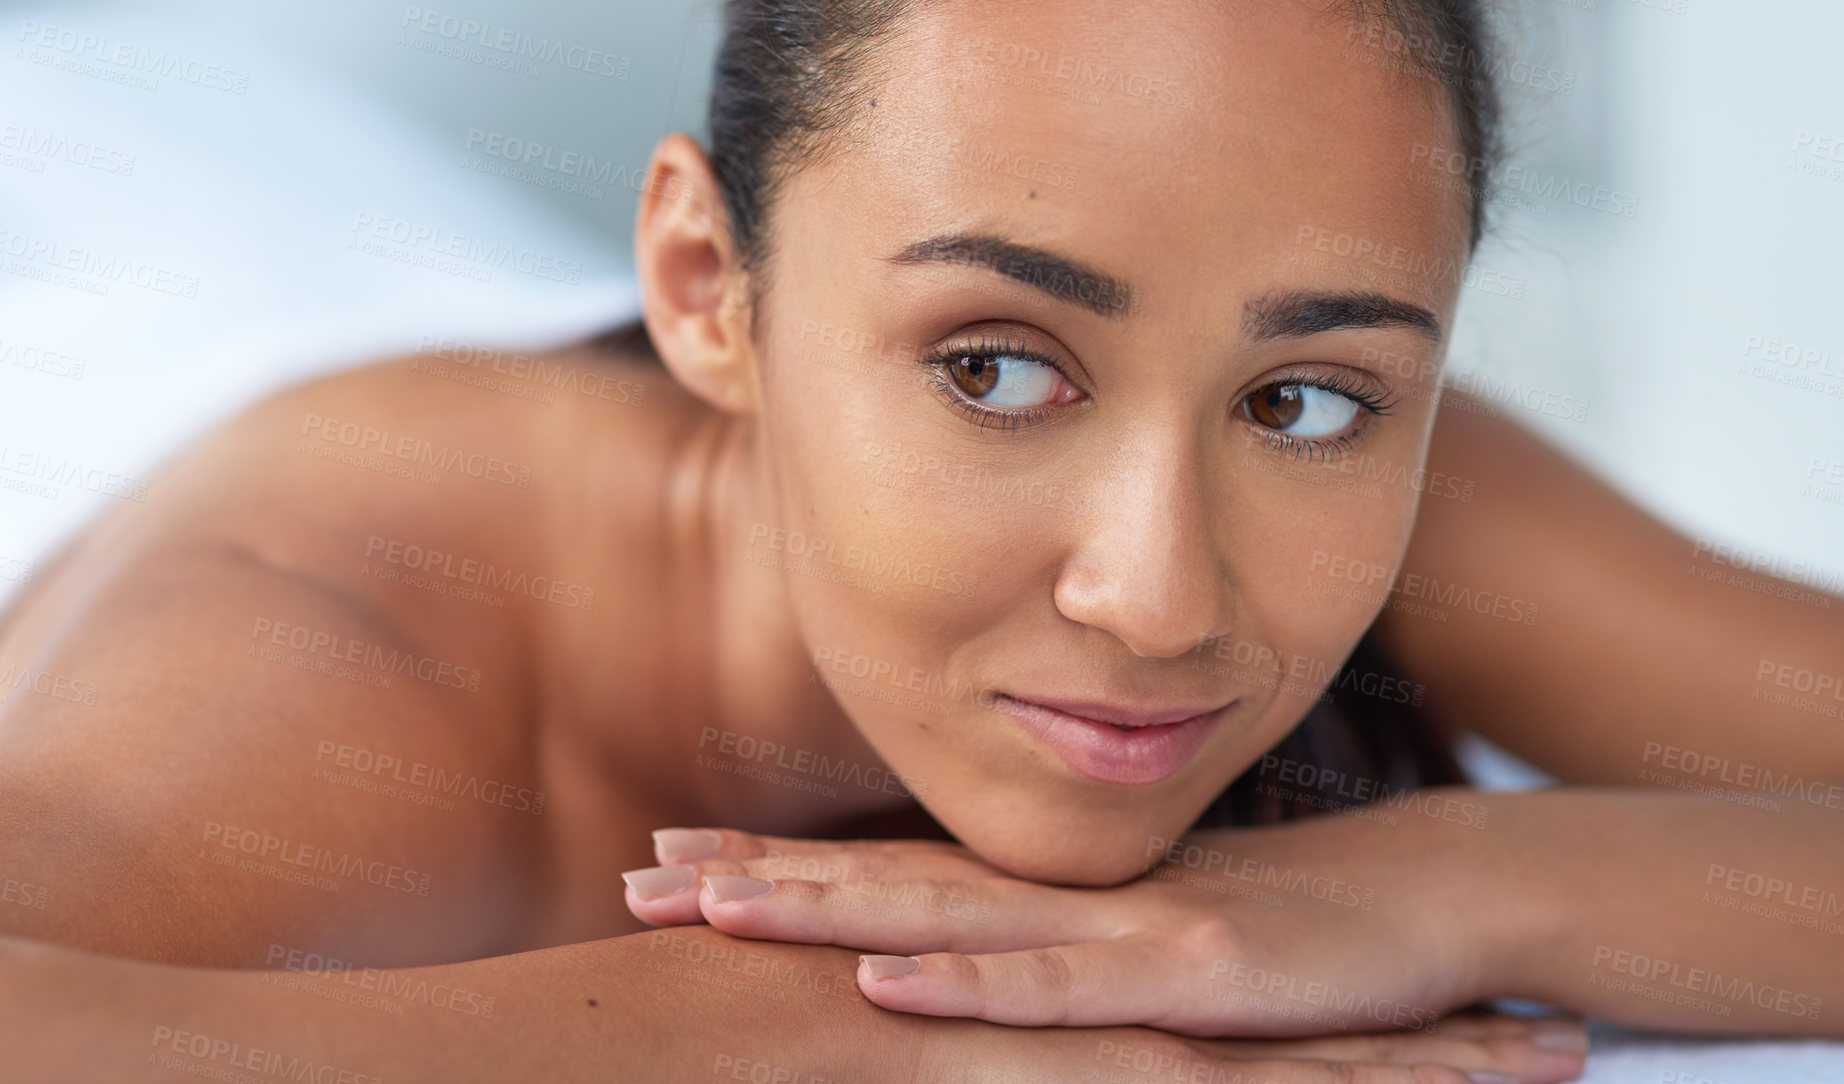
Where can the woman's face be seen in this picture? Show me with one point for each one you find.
(1068, 356)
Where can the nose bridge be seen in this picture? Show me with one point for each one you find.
(1148, 567)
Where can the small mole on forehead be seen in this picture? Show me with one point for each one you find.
(592, 1003)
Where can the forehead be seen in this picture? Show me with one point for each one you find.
(1181, 145)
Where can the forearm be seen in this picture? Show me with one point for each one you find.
(623, 1008)
(1667, 910)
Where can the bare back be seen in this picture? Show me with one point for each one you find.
(353, 671)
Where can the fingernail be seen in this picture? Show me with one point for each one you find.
(656, 881)
(890, 967)
(724, 889)
(1559, 1036)
(686, 844)
(1487, 1076)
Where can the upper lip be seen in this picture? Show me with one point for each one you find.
(1117, 714)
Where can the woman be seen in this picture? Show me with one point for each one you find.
(1045, 501)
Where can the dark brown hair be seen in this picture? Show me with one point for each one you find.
(789, 77)
(1366, 739)
(791, 74)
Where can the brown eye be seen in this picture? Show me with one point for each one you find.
(996, 378)
(1277, 407)
(976, 376)
(1305, 411)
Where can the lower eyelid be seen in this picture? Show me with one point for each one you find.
(977, 412)
(1342, 442)
(1008, 419)
(938, 369)
(1309, 446)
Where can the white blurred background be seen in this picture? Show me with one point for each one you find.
(296, 186)
(1690, 351)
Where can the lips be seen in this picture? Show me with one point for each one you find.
(1102, 712)
(1114, 744)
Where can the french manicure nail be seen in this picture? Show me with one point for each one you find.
(724, 888)
(686, 844)
(1487, 1076)
(657, 881)
(1559, 1036)
(891, 967)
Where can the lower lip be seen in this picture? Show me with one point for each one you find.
(1101, 751)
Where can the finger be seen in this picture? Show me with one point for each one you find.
(1347, 1072)
(1128, 980)
(683, 846)
(1141, 1056)
(1137, 1056)
(1533, 1052)
(1487, 1024)
(1092, 984)
(909, 917)
(667, 895)
(844, 858)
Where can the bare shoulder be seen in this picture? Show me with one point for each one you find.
(1545, 610)
(306, 666)
(492, 456)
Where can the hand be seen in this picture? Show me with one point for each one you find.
(1365, 936)
(691, 1004)
(760, 1011)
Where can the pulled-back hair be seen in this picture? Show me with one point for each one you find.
(791, 74)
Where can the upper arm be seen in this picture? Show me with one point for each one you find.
(1586, 637)
(257, 753)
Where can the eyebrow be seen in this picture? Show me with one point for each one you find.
(1057, 276)
(1292, 314)
(1286, 314)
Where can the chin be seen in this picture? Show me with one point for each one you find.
(1077, 852)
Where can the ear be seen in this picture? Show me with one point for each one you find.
(693, 293)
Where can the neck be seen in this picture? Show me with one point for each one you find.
(744, 664)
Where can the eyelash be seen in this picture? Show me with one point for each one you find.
(1372, 402)
(986, 417)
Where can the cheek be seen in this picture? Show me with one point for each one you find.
(890, 575)
(1336, 580)
(933, 531)
(1314, 564)
(1319, 543)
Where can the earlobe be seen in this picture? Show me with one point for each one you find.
(693, 291)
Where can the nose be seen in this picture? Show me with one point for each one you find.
(1148, 567)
